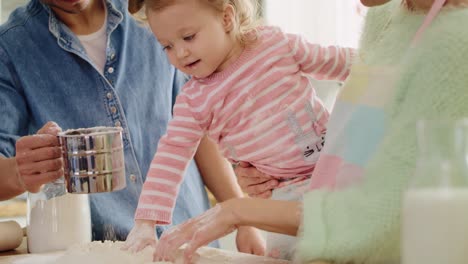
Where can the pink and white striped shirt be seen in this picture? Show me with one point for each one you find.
(262, 109)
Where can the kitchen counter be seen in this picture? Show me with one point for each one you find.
(20, 254)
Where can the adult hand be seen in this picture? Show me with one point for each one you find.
(196, 232)
(250, 241)
(253, 182)
(39, 158)
(143, 234)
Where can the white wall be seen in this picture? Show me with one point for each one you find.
(327, 22)
(6, 6)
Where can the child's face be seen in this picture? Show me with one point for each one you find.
(194, 36)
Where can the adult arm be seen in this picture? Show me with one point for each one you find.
(11, 185)
(219, 177)
(270, 215)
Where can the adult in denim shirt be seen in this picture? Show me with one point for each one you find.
(46, 74)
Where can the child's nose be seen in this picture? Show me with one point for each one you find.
(182, 52)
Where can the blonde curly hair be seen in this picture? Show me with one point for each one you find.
(246, 14)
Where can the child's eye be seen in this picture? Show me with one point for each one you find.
(167, 47)
(189, 38)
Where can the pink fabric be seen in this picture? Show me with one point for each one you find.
(262, 109)
(326, 172)
(333, 172)
(433, 12)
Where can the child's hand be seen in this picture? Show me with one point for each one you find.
(143, 234)
(196, 232)
(250, 241)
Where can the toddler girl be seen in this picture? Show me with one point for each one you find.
(250, 92)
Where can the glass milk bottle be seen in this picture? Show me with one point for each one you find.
(56, 219)
(435, 206)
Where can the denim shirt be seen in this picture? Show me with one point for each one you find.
(45, 75)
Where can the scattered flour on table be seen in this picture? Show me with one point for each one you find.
(109, 252)
(105, 252)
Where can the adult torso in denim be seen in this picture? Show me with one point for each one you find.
(46, 75)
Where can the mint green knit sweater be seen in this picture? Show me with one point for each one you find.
(373, 142)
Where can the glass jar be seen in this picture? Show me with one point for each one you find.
(435, 206)
(57, 219)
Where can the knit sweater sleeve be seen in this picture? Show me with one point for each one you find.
(167, 168)
(362, 223)
(328, 63)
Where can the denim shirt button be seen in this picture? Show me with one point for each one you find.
(110, 70)
(133, 178)
(112, 56)
(117, 124)
(109, 95)
(113, 109)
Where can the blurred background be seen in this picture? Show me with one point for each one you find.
(325, 22)
(330, 22)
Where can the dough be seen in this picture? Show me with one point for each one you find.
(11, 235)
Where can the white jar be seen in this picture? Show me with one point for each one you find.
(56, 219)
(435, 226)
(435, 206)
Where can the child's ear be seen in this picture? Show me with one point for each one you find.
(229, 18)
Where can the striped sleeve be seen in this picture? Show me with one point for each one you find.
(323, 63)
(175, 150)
